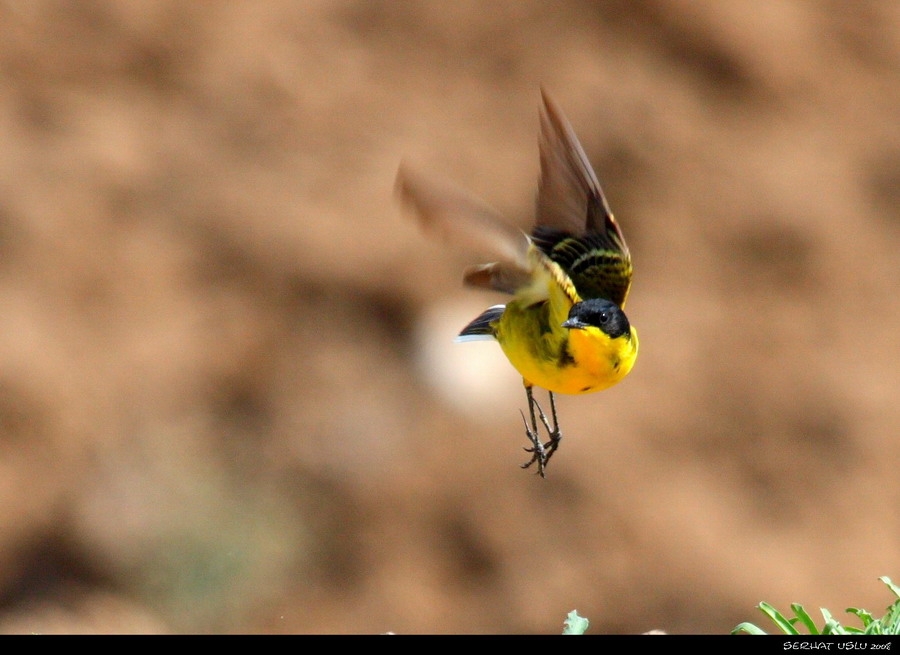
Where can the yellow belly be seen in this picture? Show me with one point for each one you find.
(590, 362)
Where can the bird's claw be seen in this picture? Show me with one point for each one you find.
(540, 452)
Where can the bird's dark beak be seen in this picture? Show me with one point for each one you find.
(574, 324)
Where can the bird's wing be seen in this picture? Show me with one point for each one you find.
(461, 218)
(574, 225)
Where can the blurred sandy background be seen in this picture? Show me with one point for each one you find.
(229, 396)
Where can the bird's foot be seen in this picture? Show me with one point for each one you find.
(540, 452)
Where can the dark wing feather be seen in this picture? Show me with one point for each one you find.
(574, 224)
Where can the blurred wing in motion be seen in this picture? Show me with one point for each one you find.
(459, 217)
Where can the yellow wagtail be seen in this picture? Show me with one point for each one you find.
(565, 329)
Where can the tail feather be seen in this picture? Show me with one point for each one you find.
(481, 327)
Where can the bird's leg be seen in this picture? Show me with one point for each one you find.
(555, 435)
(541, 452)
(531, 431)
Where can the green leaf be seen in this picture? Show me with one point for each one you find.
(778, 619)
(889, 624)
(749, 628)
(831, 627)
(574, 624)
(886, 580)
(864, 616)
(805, 618)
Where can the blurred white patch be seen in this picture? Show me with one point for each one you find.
(474, 377)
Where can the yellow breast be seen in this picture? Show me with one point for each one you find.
(562, 360)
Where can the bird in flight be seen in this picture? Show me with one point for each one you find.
(565, 329)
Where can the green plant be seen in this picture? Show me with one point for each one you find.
(889, 624)
(574, 624)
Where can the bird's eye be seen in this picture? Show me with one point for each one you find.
(604, 317)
